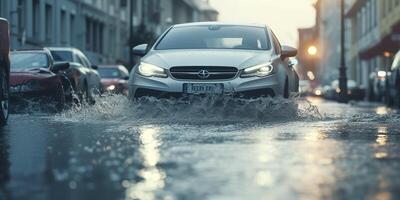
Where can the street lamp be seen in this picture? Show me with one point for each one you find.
(343, 95)
(312, 50)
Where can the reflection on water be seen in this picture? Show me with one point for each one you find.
(382, 137)
(153, 177)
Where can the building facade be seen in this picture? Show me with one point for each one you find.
(98, 27)
(375, 37)
(328, 31)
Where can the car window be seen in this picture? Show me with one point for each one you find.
(23, 61)
(109, 73)
(277, 45)
(216, 37)
(83, 59)
(62, 56)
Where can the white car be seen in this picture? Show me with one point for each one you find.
(214, 58)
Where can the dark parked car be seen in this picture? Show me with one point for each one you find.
(35, 77)
(393, 82)
(114, 78)
(4, 69)
(83, 75)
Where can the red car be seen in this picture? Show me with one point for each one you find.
(114, 78)
(4, 69)
(35, 77)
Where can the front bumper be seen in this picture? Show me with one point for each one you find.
(140, 86)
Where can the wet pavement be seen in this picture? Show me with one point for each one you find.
(203, 149)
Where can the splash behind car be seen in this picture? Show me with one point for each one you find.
(215, 58)
(4, 69)
(34, 79)
(82, 74)
(114, 78)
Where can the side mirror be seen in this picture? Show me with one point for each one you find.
(288, 52)
(60, 66)
(293, 62)
(140, 50)
(95, 67)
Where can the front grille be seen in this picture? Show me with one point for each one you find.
(203, 73)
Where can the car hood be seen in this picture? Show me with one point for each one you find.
(227, 58)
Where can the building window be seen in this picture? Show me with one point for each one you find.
(49, 22)
(63, 27)
(123, 3)
(72, 30)
(21, 16)
(35, 18)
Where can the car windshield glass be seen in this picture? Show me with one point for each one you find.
(60, 56)
(108, 73)
(22, 61)
(216, 37)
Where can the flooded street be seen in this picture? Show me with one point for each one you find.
(206, 149)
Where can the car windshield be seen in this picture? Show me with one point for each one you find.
(108, 73)
(23, 61)
(60, 56)
(216, 37)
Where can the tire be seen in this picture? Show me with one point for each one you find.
(4, 97)
(286, 90)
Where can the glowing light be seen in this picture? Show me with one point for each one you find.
(387, 54)
(311, 75)
(318, 92)
(382, 74)
(382, 110)
(312, 50)
(153, 178)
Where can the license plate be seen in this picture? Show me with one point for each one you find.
(203, 88)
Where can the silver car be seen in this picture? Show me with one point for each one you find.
(214, 58)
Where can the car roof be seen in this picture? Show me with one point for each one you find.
(219, 24)
(110, 66)
(61, 48)
(30, 51)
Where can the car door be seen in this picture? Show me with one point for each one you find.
(291, 73)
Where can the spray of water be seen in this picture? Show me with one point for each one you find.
(193, 109)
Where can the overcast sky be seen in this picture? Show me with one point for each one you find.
(283, 16)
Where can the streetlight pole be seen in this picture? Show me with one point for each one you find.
(343, 95)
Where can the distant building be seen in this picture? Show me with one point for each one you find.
(98, 27)
(328, 26)
(308, 38)
(375, 36)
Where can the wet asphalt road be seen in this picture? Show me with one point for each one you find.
(206, 149)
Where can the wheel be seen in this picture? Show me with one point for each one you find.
(4, 96)
(286, 90)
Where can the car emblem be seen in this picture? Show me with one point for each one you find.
(203, 74)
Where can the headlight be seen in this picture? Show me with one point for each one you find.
(150, 70)
(111, 88)
(258, 70)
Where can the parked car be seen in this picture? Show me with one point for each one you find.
(214, 58)
(354, 91)
(378, 85)
(4, 70)
(393, 82)
(83, 75)
(36, 77)
(114, 78)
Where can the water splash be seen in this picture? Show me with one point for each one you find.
(193, 109)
